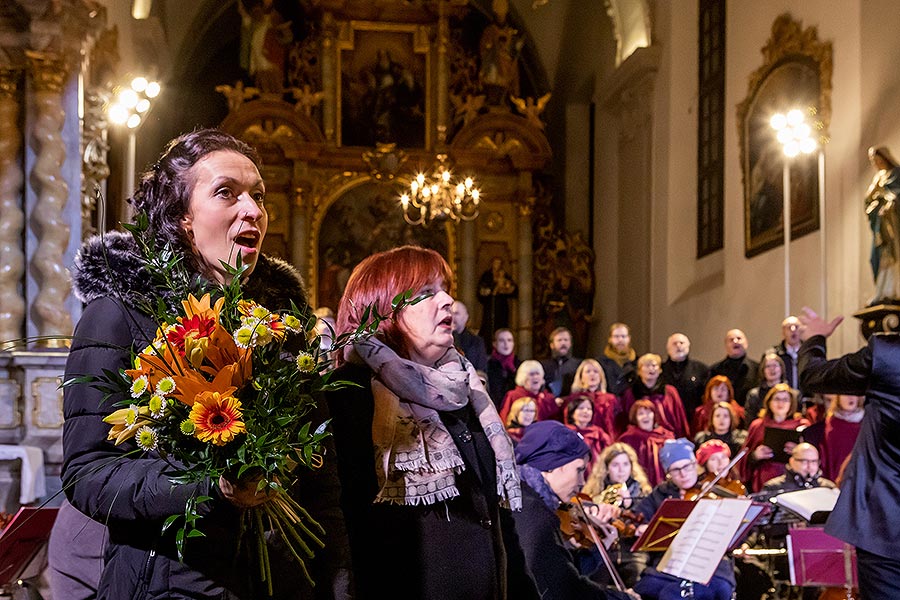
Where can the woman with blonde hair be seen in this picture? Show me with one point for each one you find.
(530, 382)
(522, 413)
(618, 464)
(590, 381)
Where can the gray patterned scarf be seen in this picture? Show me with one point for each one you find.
(416, 457)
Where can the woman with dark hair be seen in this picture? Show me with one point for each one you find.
(841, 428)
(779, 412)
(579, 417)
(427, 470)
(718, 389)
(723, 426)
(771, 371)
(204, 199)
(646, 436)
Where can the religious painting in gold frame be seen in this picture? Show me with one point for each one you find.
(796, 73)
(362, 221)
(384, 84)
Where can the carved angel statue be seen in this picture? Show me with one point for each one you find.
(466, 110)
(236, 94)
(532, 109)
(306, 98)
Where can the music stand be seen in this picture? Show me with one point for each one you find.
(817, 559)
(22, 541)
(664, 526)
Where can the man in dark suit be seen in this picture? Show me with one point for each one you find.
(685, 374)
(867, 509)
(741, 370)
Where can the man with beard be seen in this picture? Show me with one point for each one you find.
(559, 369)
(685, 374)
(618, 360)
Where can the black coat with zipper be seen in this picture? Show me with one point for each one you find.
(131, 493)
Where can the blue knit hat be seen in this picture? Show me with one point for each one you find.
(675, 450)
(550, 444)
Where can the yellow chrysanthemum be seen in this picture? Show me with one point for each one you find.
(305, 362)
(216, 418)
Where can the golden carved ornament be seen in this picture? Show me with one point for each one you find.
(9, 83)
(48, 71)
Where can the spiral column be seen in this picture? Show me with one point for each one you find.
(48, 222)
(12, 215)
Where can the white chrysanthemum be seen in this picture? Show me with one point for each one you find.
(157, 406)
(245, 336)
(292, 323)
(305, 362)
(147, 438)
(139, 386)
(165, 386)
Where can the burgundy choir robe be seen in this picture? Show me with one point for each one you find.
(646, 445)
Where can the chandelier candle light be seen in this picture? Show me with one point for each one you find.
(438, 197)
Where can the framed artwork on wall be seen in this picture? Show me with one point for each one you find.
(796, 74)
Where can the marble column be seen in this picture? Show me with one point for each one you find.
(12, 214)
(53, 321)
(524, 337)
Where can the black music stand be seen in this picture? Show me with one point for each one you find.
(23, 540)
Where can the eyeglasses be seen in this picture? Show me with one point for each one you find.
(682, 470)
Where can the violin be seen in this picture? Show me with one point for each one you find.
(726, 487)
(575, 524)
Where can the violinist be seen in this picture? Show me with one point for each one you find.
(551, 461)
(618, 478)
(714, 456)
(677, 457)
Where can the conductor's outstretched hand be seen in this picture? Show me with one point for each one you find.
(812, 324)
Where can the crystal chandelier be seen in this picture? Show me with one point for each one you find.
(438, 197)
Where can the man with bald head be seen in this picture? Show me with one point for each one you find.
(685, 374)
(802, 472)
(741, 370)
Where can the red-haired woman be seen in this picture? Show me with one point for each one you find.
(841, 430)
(646, 436)
(718, 389)
(426, 467)
(649, 385)
(590, 381)
(779, 412)
(530, 383)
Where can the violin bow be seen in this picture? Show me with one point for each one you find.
(607, 561)
(712, 483)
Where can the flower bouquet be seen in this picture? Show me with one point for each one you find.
(225, 389)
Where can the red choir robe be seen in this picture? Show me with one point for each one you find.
(596, 440)
(756, 473)
(546, 404)
(646, 445)
(840, 436)
(668, 404)
(606, 408)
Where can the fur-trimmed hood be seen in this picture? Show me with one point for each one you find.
(111, 265)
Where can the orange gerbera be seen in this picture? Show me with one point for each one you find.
(217, 418)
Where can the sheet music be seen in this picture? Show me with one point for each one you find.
(807, 502)
(703, 539)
